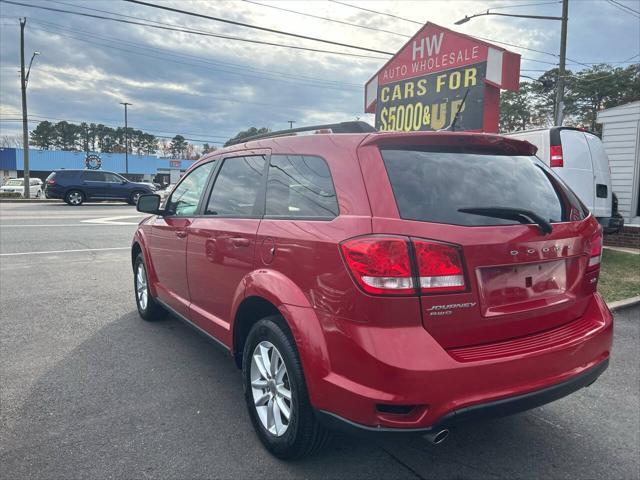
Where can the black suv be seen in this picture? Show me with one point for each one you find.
(76, 186)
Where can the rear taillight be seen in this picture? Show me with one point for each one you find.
(51, 182)
(380, 264)
(440, 267)
(556, 159)
(595, 253)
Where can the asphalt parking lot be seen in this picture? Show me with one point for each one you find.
(88, 390)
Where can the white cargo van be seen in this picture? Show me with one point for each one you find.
(578, 157)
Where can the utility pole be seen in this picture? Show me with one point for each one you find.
(25, 124)
(291, 122)
(561, 70)
(126, 138)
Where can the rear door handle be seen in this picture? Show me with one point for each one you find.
(240, 242)
(181, 233)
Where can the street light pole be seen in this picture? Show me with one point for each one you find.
(291, 122)
(561, 69)
(559, 103)
(126, 138)
(25, 124)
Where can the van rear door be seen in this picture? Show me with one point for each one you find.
(600, 161)
(577, 170)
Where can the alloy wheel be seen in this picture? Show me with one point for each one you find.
(271, 388)
(141, 286)
(75, 198)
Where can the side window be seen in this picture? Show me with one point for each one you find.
(93, 176)
(300, 186)
(237, 185)
(113, 178)
(185, 197)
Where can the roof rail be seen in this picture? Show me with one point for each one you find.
(342, 127)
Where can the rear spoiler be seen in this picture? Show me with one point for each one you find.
(482, 142)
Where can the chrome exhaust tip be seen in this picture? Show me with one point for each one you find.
(437, 437)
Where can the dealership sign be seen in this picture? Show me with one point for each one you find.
(437, 74)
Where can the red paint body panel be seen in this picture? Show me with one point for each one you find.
(360, 350)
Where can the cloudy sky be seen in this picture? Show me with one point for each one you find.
(208, 88)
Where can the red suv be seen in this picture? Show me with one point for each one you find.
(380, 282)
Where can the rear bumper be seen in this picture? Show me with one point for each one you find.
(366, 369)
(611, 224)
(482, 411)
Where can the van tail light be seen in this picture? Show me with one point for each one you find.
(595, 254)
(51, 182)
(380, 264)
(556, 159)
(440, 267)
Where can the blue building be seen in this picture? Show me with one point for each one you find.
(43, 162)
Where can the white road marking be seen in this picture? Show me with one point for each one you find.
(112, 220)
(64, 251)
(69, 225)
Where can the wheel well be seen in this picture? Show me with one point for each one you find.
(135, 251)
(250, 311)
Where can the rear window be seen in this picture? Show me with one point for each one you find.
(432, 186)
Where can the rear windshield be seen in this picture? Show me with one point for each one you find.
(432, 186)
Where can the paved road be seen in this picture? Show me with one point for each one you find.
(88, 390)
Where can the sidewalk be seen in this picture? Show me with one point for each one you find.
(635, 251)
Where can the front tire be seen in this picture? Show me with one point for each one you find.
(74, 198)
(133, 198)
(148, 308)
(276, 393)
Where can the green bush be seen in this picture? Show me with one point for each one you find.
(10, 195)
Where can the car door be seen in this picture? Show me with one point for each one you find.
(168, 238)
(221, 242)
(94, 184)
(116, 186)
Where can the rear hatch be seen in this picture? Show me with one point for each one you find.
(495, 207)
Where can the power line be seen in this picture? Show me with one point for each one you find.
(624, 7)
(379, 13)
(203, 59)
(327, 19)
(318, 84)
(256, 27)
(38, 119)
(194, 32)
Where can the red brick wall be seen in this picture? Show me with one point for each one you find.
(627, 237)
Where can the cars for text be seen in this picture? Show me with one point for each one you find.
(380, 282)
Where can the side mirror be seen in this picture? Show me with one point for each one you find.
(149, 203)
(124, 181)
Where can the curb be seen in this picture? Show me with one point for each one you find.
(30, 200)
(626, 303)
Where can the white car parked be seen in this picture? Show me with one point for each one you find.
(16, 185)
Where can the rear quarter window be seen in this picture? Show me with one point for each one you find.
(300, 186)
(432, 186)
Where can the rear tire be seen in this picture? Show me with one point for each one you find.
(300, 434)
(74, 198)
(148, 308)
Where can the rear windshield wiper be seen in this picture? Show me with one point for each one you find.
(517, 214)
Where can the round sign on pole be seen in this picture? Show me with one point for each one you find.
(93, 162)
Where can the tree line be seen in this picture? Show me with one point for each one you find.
(586, 92)
(92, 137)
